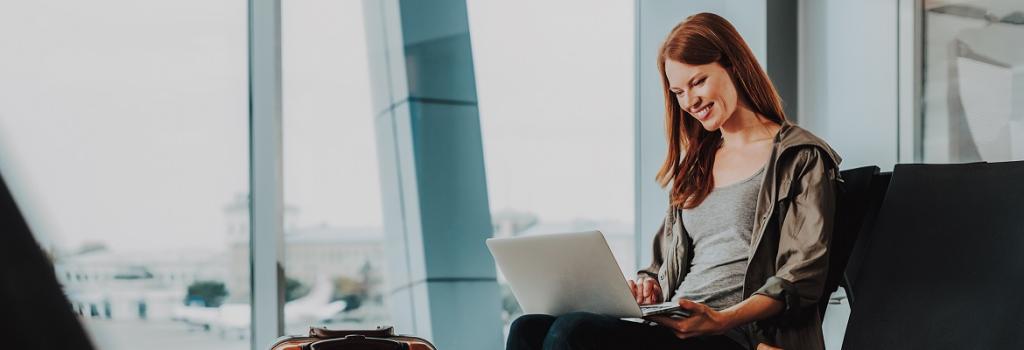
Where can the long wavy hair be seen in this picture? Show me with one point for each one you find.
(702, 39)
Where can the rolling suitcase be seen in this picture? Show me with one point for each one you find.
(382, 338)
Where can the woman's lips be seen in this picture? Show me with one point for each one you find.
(703, 113)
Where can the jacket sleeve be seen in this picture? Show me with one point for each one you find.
(804, 234)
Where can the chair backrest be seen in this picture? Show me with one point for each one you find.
(876, 193)
(851, 206)
(945, 264)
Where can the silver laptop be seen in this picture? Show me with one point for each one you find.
(561, 273)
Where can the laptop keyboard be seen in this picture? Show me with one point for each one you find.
(651, 309)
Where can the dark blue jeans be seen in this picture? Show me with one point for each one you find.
(583, 330)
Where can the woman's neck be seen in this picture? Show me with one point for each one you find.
(746, 127)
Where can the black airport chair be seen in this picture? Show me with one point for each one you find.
(945, 264)
(876, 193)
(852, 205)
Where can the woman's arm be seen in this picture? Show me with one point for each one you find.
(704, 320)
(802, 258)
(755, 308)
(805, 233)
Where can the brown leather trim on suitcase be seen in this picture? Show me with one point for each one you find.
(415, 343)
(291, 343)
(358, 341)
(319, 334)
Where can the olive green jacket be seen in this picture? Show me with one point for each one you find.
(788, 258)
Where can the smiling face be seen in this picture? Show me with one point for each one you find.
(705, 92)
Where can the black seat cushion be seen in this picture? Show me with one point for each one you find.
(944, 268)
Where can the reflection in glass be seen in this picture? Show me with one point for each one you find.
(973, 81)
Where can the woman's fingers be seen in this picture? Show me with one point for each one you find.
(690, 305)
(646, 290)
(673, 324)
(649, 295)
(684, 335)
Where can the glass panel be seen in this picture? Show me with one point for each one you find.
(973, 81)
(334, 259)
(557, 117)
(124, 135)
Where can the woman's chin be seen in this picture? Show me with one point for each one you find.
(709, 124)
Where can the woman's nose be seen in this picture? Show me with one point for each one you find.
(692, 102)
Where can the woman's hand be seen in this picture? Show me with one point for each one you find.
(703, 320)
(646, 290)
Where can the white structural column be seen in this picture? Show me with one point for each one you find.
(265, 182)
(442, 279)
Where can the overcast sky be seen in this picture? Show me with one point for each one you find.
(126, 122)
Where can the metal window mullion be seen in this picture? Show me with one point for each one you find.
(266, 248)
(638, 198)
(909, 59)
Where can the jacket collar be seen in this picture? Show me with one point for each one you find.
(791, 136)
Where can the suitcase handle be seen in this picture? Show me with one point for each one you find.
(358, 342)
(323, 332)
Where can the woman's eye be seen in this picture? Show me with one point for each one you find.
(701, 81)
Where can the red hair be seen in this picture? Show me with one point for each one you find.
(702, 39)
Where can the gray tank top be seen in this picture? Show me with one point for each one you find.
(720, 228)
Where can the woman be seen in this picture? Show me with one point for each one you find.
(744, 245)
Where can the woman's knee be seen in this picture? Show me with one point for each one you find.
(529, 331)
(531, 324)
(575, 326)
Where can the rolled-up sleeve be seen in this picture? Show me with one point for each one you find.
(804, 234)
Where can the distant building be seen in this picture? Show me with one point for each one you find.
(104, 284)
(310, 253)
(317, 253)
(150, 285)
(236, 215)
(508, 223)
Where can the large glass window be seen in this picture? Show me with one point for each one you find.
(124, 136)
(973, 101)
(334, 253)
(556, 112)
